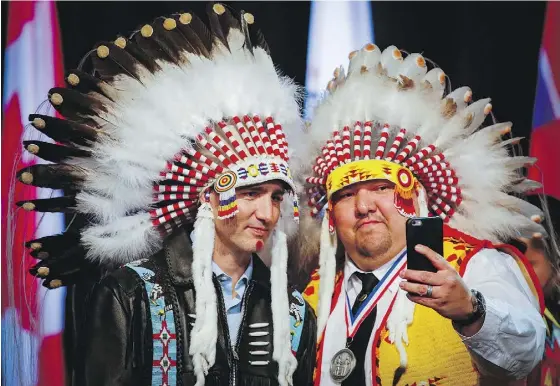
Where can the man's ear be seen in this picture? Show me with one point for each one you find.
(329, 211)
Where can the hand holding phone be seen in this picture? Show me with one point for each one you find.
(427, 231)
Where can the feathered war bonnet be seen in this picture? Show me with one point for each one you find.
(172, 111)
(389, 118)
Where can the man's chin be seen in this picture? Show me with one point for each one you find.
(255, 245)
(373, 248)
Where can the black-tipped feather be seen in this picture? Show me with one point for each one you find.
(86, 83)
(56, 270)
(74, 105)
(203, 32)
(261, 41)
(67, 268)
(50, 255)
(245, 30)
(56, 176)
(52, 152)
(187, 39)
(55, 244)
(220, 25)
(117, 62)
(65, 204)
(74, 252)
(170, 40)
(63, 130)
(72, 268)
(153, 45)
(196, 34)
(138, 54)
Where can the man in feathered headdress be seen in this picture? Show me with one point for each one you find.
(175, 151)
(391, 148)
(544, 255)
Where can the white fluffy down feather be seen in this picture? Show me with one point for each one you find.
(122, 240)
(282, 353)
(205, 330)
(327, 272)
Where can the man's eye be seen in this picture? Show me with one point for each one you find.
(384, 187)
(342, 196)
(249, 193)
(278, 198)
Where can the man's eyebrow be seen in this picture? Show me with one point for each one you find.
(346, 189)
(252, 188)
(260, 189)
(280, 191)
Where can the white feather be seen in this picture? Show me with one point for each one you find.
(327, 273)
(122, 240)
(397, 324)
(282, 353)
(204, 335)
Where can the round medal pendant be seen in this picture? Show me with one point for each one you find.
(342, 365)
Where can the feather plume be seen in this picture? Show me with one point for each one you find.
(150, 97)
(470, 165)
(53, 153)
(63, 130)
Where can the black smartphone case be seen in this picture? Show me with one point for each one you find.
(427, 231)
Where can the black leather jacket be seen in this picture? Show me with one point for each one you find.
(114, 345)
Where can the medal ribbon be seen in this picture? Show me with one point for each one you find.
(353, 322)
(550, 338)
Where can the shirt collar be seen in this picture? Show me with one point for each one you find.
(350, 268)
(247, 275)
(177, 256)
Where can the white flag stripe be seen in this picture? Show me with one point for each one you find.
(336, 28)
(546, 72)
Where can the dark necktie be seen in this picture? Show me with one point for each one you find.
(369, 281)
(360, 342)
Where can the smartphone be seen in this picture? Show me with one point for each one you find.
(427, 231)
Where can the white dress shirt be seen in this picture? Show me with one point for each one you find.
(354, 284)
(233, 297)
(511, 340)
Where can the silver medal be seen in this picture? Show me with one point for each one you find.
(342, 365)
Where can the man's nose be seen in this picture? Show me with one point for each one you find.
(264, 209)
(365, 202)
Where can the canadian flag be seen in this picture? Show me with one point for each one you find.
(32, 317)
(545, 137)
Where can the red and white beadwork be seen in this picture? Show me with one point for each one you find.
(427, 165)
(232, 153)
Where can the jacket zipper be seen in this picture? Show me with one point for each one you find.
(240, 332)
(221, 304)
(233, 356)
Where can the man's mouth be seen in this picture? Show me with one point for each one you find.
(368, 222)
(258, 231)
